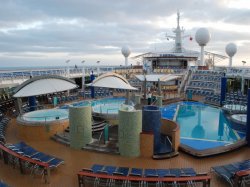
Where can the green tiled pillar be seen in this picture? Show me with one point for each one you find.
(159, 101)
(129, 129)
(80, 125)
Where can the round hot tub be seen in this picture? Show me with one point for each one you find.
(108, 108)
(42, 124)
(239, 122)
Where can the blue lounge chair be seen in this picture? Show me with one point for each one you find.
(163, 172)
(136, 172)
(188, 171)
(225, 174)
(109, 169)
(54, 163)
(123, 170)
(97, 167)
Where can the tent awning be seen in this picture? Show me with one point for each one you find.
(112, 80)
(44, 85)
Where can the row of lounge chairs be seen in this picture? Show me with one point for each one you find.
(236, 97)
(63, 99)
(214, 99)
(6, 105)
(209, 72)
(3, 124)
(236, 174)
(206, 78)
(200, 92)
(202, 81)
(100, 175)
(28, 159)
(234, 71)
(28, 74)
(208, 85)
(98, 94)
(25, 150)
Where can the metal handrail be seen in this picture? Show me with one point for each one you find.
(99, 139)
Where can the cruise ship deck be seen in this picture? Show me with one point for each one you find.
(75, 160)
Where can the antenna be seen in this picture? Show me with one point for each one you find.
(231, 49)
(202, 37)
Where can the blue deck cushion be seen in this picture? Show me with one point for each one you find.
(29, 151)
(47, 158)
(188, 171)
(136, 171)
(150, 173)
(97, 167)
(109, 169)
(163, 172)
(123, 170)
(55, 162)
(175, 171)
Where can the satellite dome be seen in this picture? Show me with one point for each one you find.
(125, 51)
(202, 36)
(231, 49)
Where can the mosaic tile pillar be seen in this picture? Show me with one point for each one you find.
(159, 101)
(80, 125)
(129, 129)
(151, 122)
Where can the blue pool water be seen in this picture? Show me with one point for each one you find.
(105, 106)
(201, 126)
(46, 115)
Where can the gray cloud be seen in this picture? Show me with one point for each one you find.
(53, 30)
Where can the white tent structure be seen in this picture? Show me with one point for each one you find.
(112, 80)
(43, 85)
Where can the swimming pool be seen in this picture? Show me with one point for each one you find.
(202, 126)
(42, 124)
(107, 106)
(103, 106)
(46, 115)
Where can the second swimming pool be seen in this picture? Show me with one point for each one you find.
(201, 126)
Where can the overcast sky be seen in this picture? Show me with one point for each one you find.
(48, 32)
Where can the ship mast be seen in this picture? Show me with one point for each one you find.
(178, 36)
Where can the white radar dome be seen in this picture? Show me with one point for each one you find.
(231, 49)
(202, 36)
(125, 51)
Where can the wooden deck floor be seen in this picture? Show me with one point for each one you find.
(77, 159)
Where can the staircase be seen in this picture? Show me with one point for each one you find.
(185, 81)
(109, 147)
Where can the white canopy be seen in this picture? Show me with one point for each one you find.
(155, 77)
(112, 80)
(44, 85)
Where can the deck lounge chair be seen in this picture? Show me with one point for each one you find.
(97, 167)
(224, 173)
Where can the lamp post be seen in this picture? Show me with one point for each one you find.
(67, 62)
(83, 79)
(244, 62)
(98, 68)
